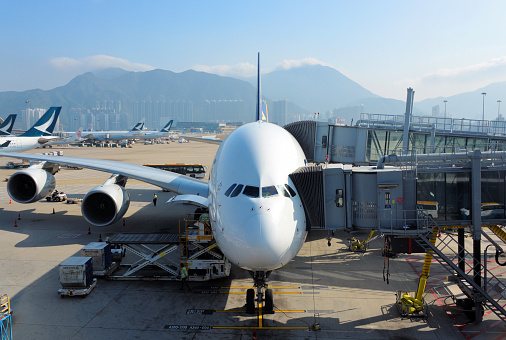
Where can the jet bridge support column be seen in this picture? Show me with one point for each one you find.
(407, 119)
(461, 249)
(476, 220)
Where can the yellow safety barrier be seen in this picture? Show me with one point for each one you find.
(5, 305)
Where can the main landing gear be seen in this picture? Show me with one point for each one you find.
(260, 279)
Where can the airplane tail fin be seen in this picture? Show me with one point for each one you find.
(7, 125)
(138, 127)
(46, 124)
(167, 126)
(261, 114)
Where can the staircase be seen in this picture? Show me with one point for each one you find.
(493, 292)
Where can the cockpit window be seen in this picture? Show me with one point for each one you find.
(290, 190)
(283, 190)
(251, 191)
(237, 190)
(269, 191)
(229, 190)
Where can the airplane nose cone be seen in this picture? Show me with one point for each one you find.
(266, 244)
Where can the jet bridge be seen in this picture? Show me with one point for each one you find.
(419, 197)
(338, 196)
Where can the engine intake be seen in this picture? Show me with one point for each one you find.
(30, 185)
(105, 204)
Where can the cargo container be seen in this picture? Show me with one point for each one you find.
(76, 272)
(101, 254)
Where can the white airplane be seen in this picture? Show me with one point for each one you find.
(74, 138)
(7, 125)
(39, 134)
(164, 132)
(256, 214)
(136, 132)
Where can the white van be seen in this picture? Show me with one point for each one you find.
(428, 207)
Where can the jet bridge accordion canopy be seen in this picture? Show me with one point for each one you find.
(309, 184)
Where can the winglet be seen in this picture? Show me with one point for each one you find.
(46, 124)
(167, 126)
(6, 127)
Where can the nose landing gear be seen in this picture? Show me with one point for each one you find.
(260, 279)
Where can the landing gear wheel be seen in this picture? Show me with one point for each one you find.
(269, 302)
(250, 301)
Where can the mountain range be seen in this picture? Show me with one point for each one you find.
(306, 89)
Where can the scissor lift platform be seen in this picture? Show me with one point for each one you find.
(160, 256)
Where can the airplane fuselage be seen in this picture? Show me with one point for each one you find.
(18, 144)
(260, 226)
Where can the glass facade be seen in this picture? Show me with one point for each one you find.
(451, 192)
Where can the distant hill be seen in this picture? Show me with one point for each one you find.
(469, 104)
(129, 87)
(307, 89)
(314, 87)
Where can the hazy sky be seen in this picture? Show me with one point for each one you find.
(439, 48)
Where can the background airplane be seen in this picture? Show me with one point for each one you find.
(7, 124)
(39, 134)
(164, 132)
(136, 132)
(75, 138)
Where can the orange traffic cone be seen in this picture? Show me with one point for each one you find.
(15, 223)
(10, 201)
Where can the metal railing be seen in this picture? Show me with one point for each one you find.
(426, 123)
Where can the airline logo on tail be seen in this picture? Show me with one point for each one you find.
(45, 125)
(167, 127)
(265, 112)
(6, 127)
(138, 127)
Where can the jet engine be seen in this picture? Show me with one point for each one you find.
(106, 203)
(30, 185)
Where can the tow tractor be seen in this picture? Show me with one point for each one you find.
(57, 196)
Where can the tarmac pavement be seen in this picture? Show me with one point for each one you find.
(344, 292)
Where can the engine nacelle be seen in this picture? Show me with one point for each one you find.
(105, 204)
(30, 185)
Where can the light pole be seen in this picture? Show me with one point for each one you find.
(498, 109)
(445, 101)
(27, 119)
(483, 113)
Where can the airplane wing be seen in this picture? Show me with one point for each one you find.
(203, 140)
(168, 180)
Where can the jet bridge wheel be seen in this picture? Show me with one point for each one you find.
(269, 301)
(250, 301)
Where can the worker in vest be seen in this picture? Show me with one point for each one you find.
(154, 198)
(184, 277)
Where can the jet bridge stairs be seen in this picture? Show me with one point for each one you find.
(472, 275)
